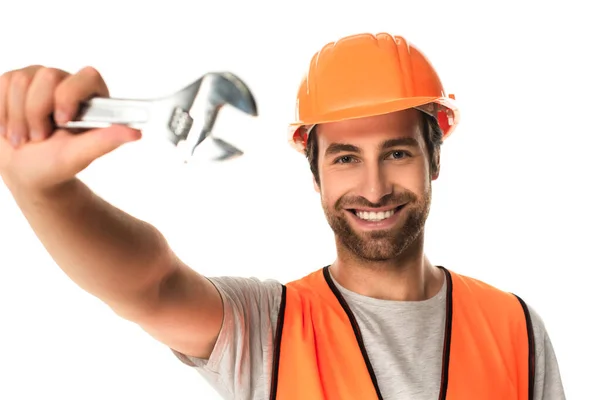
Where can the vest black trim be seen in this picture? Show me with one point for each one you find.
(531, 339)
(447, 335)
(357, 333)
(277, 345)
(355, 328)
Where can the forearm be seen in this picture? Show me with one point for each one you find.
(107, 252)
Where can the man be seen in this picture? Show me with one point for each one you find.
(381, 322)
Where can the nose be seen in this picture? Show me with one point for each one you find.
(375, 182)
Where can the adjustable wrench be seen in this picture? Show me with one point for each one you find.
(187, 116)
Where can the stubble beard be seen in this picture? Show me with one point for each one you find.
(380, 245)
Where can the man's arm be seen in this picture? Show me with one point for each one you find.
(126, 263)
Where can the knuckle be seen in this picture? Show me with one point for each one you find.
(91, 72)
(35, 110)
(50, 76)
(5, 80)
(63, 96)
(21, 79)
(79, 87)
(95, 80)
(46, 82)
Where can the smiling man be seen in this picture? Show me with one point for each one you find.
(374, 178)
(380, 322)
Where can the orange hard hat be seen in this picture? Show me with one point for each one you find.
(364, 75)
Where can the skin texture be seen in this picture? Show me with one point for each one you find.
(378, 163)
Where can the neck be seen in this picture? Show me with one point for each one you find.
(408, 277)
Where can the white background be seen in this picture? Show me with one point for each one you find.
(516, 204)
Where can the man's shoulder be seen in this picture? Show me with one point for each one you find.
(245, 282)
(548, 381)
(476, 283)
(502, 304)
(477, 289)
(248, 290)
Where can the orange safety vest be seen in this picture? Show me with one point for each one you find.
(320, 355)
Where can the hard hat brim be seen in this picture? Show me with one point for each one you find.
(298, 138)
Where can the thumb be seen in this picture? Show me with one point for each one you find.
(84, 148)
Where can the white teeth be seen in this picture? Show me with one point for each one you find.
(375, 216)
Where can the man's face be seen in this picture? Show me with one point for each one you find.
(375, 182)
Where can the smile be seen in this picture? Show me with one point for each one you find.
(375, 216)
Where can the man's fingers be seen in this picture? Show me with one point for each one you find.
(4, 85)
(18, 129)
(39, 104)
(76, 89)
(14, 90)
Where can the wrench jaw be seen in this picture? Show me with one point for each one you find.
(218, 149)
(227, 88)
(215, 90)
(225, 151)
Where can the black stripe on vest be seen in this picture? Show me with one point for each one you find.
(277, 345)
(531, 339)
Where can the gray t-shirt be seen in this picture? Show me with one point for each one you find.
(404, 342)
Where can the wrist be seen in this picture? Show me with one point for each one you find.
(22, 192)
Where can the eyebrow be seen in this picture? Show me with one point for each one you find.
(336, 148)
(405, 141)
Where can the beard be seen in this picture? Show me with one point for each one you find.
(380, 245)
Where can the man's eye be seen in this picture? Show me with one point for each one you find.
(399, 154)
(343, 160)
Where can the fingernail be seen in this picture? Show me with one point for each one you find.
(35, 135)
(61, 117)
(15, 140)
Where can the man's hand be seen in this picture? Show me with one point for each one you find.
(33, 153)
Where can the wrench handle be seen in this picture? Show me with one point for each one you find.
(101, 112)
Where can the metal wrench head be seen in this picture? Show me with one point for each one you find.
(198, 105)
